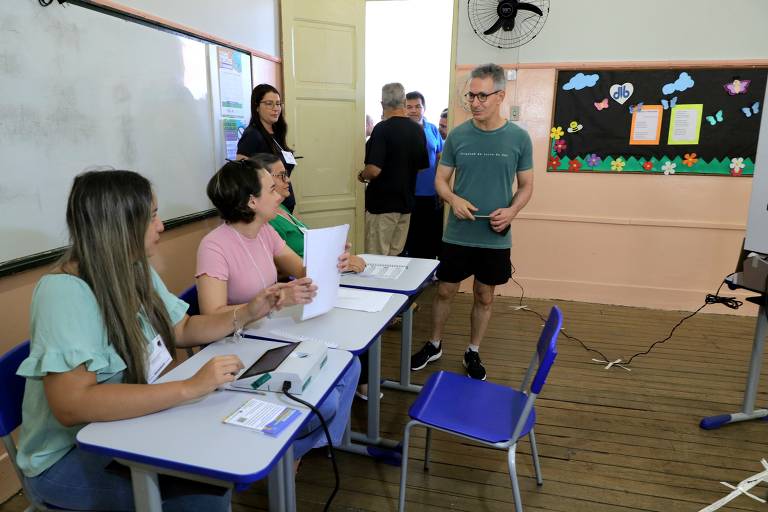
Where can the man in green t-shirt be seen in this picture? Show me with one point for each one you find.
(487, 154)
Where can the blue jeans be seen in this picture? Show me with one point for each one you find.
(83, 481)
(335, 409)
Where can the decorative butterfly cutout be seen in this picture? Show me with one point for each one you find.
(669, 104)
(714, 119)
(737, 86)
(636, 108)
(602, 104)
(754, 109)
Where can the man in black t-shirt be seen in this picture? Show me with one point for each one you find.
(394, 154)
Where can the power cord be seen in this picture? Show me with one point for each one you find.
(286, 387)
(730, 302)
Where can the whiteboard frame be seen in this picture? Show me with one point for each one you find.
(31, 261)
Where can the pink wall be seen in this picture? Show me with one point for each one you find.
(651, 241)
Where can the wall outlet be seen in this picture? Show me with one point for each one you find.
(511, 74)
(514, 112)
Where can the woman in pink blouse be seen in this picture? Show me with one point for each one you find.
(243, 255)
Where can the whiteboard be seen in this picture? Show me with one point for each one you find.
(79, 89)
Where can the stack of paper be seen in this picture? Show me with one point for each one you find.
(384, 267)
(322, 248)
(362, 300)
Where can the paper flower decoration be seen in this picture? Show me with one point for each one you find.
(648, 166)
(556, 132)
(560, 145)
(618, 165)
(690, 159)
(553, 163)
(574, 166)
(737, 164)
(593, 160)
(668, 168)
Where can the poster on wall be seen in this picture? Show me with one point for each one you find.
(231, 83)
(693, 121)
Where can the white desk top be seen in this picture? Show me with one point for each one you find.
(409, 283)
(193, 438)
(345, 329)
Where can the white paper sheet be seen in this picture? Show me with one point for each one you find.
(322, 248)
(362, 300)
(384, 267)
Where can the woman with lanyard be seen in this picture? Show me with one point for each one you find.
(285, 223)
(103, 328)
(292, 230)
(242, 257)
(266, 132)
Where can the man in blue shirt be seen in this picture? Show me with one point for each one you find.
(487, 154)
(426, 228)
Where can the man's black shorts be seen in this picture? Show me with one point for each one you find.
(489, 266)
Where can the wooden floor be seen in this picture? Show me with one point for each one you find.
(609, 440)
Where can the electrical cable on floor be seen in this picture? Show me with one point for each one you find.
(286, 387)
(730, 302)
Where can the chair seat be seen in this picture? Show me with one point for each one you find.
(469, 407)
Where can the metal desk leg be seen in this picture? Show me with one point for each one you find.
(748, 411)
(406, 340)
(275, 487)
(289, 481)
(146, 490)
(372, 436)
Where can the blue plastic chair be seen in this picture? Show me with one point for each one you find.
(11, 396)
(190, 297)
(492, 414)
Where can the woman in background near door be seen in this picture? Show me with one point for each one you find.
(266, 132)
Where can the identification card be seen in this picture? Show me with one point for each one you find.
(288, 157)
(159, 359)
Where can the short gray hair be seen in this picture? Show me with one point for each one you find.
(494, 71)
(393, 95)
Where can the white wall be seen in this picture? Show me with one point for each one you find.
(253, 23)
(408, 42)
(613, 30)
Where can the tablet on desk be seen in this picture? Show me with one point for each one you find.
(268, 361)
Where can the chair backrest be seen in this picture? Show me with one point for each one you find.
(546, 348)
(190, 297)
(541, 363)
(11, 388)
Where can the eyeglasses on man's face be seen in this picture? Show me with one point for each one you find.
(272, 104)
(283, 176)
(482, 97)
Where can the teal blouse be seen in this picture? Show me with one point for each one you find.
(289, 231)
(67, 331)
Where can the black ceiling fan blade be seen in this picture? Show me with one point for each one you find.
(496, 26)
(531, 8)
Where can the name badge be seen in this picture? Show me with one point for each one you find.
(288, 157)
(159, 359)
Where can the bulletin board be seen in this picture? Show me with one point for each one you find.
(657, 121)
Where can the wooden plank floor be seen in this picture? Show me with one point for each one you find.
(609, 440)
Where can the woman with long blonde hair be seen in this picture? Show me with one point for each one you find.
(95, 321)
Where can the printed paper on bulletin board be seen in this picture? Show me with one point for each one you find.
(660, 121)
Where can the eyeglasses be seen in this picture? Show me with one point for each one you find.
(272, 104)
(481, 96)
(281, 176)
